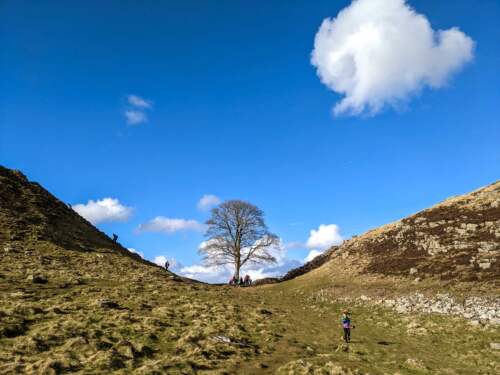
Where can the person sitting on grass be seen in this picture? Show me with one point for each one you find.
(346, 325)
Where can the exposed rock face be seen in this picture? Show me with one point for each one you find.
(458, 239)
(479, 310)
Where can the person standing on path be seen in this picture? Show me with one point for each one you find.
(346, 325)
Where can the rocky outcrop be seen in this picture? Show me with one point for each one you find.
(478, 310)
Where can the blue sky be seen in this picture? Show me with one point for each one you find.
(233, 107)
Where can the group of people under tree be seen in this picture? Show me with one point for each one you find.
(240, 281)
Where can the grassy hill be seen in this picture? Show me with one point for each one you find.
(456, 240)
(73, 301)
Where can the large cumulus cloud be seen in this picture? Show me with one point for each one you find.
(377, 53)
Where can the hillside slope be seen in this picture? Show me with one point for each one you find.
(458, 240)
(29, 213)
(72, 300)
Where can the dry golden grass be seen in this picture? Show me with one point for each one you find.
(108, 313)
(72, 301)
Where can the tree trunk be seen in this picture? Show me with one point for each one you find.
(237, 271)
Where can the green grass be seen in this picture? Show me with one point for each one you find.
(164, 326)
(382, 342)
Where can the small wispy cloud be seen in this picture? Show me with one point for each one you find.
(136, 113)
(207, 202)
(169, 225)
(139, 102)
(293, 245)
(135, 117)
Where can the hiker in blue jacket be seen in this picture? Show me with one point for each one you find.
(346, 325)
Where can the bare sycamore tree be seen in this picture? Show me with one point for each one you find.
(237, 235)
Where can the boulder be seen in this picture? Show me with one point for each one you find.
(37, 279)
(108, 304)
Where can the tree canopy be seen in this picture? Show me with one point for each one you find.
(237, 234)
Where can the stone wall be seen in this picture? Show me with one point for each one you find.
(478, 310)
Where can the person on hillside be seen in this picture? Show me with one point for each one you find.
(115, 238)
(346, 325)
(241, 281)
(232, 280)
(167, 264)
(247, 281)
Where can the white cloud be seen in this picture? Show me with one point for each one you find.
(132, 250)
(169, 225)
(134, 117)
(107, 209)
(283, 266)
(205, 243)
(138, 102)
(378, 53)
(325, 236)
(207, 202)
(136, 113)
(222, 274)
(293, 245)
(312, 254)
(161, 259)
(208, 274)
